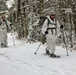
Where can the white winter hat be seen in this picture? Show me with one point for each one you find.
(50, 11)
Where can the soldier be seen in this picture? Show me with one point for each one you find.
(50, 28)
(3, 32)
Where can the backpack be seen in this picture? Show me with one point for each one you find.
(41, 21)
(6, 24)
(42, 37)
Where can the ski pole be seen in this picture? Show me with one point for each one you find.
(13, 37)
(37, 48)
(13, 40)
(65, 42)
(66, 46)
(67, 51)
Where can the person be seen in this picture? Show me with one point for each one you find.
(50, 28)
(3, 32)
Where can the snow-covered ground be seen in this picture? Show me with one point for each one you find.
(21, 60)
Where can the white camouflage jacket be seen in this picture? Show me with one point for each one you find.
(51, 25)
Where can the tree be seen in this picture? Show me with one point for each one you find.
(65, 11)
(3, 6)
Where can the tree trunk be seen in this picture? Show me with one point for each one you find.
(18, 9)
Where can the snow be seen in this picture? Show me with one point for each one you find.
(21, 60)
(9, 3)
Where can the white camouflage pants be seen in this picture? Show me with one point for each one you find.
(3, 37)
(51, 41)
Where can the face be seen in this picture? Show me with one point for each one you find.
(52, 16)
(3, 17)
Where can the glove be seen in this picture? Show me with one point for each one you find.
(46, 32)
(59, 36)
(61, 26)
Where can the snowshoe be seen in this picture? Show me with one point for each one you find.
(3, 46)
(54, 56)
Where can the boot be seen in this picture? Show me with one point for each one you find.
(47, 52)
(54, 56)
(2, 45)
